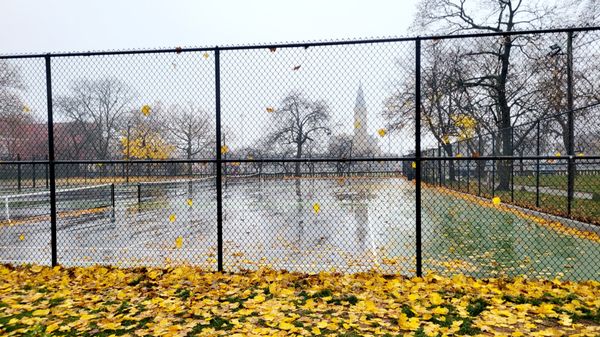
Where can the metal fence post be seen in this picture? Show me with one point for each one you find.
(51, 165)
(493, 165)
(512, 165)
(418, 155)
(439, 164)
(480, 168)
(46, 172)
(218, 163)
(537, 167)
(570, 123)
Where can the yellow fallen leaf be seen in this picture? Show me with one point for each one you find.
(52, 327)
(439, 311)
(285, 326)
(40, 312)
(496, 201)
(322, 324)
(436, 299)
(179, 242)
(315, 331)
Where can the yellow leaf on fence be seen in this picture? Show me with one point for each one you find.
(22, 237)
(179, 242)
(146, 110)
(557, 154)
(26, 108)
(496, 201)
(205, 55)
(172, 217)
(224, 149)
(316, 207)
(357, 124)
(381, 132)
(190, 202)
(413, 165)
(270, 109)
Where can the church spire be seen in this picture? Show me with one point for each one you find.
(360, 98)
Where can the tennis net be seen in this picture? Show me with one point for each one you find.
(170, 188)
(28, 205)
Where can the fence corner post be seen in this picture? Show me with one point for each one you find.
(419, 258)
(51, 164)
(218, 163)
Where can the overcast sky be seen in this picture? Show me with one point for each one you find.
(75, 25)
(333, 74)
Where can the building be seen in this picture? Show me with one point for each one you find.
(363, 144)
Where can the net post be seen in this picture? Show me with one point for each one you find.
(218, 163)
(6, 210)
(19, 172)
(51, 164)
(112, 199)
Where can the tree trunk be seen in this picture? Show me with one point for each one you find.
(452, 172)
(298, 156)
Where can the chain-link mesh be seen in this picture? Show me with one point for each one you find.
(304, 157)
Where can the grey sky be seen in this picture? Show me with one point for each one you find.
(75, 25)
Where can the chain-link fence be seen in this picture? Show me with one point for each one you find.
(475, 154)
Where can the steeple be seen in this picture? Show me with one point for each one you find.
(360, 98)
(361, 137)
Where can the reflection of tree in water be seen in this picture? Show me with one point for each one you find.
(361, 218)
(359, 193)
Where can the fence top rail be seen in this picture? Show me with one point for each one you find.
(299, 44)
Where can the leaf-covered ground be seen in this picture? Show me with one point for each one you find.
(184, 301)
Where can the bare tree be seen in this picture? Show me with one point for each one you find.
(340, 146)
(495, 74)
(191, 130)
(14, 114)
(298, 121)
(99, 107)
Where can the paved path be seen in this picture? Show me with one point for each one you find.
(553, 191)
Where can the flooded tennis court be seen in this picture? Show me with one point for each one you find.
(309, 225)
